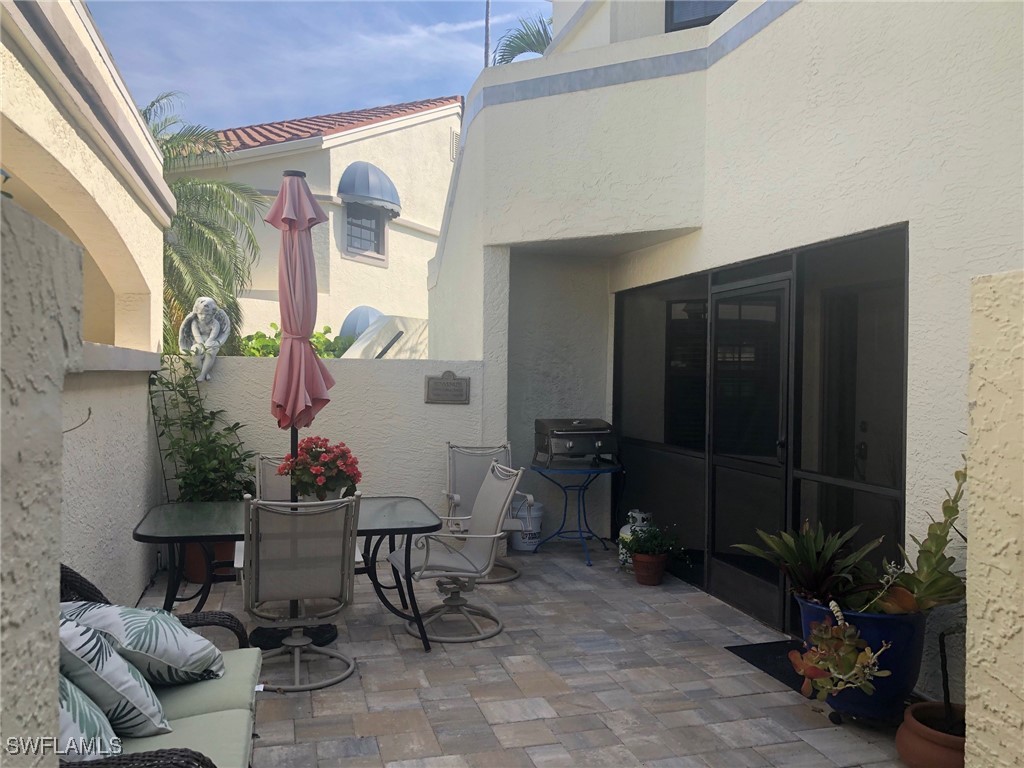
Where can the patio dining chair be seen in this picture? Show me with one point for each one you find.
(467, 467)
(459, 560)
(298, 552)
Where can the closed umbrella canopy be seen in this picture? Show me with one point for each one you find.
(301, 381)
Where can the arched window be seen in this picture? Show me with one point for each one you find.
(371, 200)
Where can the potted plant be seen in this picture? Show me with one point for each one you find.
(837, 659)
(649, 546)
(933, 733)
(889, 610)
(322, 470)
(202, 455)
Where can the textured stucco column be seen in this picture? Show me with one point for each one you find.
(41, 337)
(995, 564)
(494, 415)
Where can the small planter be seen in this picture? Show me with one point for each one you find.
(649, 569)
(920, 743)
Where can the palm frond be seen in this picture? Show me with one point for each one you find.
(531, 36)
(211, 245)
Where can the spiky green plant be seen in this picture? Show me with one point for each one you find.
(817, 565)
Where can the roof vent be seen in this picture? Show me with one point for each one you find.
(366, 184)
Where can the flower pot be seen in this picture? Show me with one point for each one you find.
(195, 562)
(905, 631)
(649, 569)
(335, 494)
(920, 743)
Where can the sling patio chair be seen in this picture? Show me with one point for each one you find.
(296, 553)
(459, 560)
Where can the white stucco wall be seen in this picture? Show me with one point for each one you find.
(67, 166)
(831, 119)
(41, 335)
(556, 363)
(111, 478)
(415, 153)
(995, 572)
(377, 410)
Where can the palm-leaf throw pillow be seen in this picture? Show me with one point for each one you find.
(85, 732)
(89, 661)
(154, 641)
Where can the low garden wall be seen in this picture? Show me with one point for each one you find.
(377, 408)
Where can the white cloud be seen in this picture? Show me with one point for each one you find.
(244, 62)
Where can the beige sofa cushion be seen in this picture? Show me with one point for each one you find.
(233, 691)
(224, 737)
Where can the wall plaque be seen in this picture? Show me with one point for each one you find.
(447, 389)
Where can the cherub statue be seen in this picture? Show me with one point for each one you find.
(205, 329)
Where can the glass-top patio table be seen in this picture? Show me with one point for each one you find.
(207, 522)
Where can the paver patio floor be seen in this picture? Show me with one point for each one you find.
(591, 670)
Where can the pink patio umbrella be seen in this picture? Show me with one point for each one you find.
(301, 381)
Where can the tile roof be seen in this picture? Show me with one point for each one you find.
(263, 134)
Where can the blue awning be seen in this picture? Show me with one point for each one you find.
(367, 184)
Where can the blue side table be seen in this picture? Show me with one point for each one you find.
(579, 477)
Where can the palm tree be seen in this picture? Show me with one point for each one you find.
(210, 246)
(531, 36)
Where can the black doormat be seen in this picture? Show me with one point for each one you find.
(772, 659)
(268, 638)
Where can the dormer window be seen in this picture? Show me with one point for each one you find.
(685, 14)
(371, 200)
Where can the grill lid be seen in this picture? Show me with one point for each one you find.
(571, 426)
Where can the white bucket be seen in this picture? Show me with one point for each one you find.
(531, 518)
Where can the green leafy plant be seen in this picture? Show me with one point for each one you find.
(818, 566)
(532, 35)
(211, 244)
(202, 453)
(649, 540)
(837, 658)
(325, 344)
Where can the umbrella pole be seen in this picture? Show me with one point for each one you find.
(293, 605)
(295, 454)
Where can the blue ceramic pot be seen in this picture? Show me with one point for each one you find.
(905, 631)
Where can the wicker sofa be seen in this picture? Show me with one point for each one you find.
(212, 720)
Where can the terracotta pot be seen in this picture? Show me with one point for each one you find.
(921, 746)
(195, 563)
(649, 569)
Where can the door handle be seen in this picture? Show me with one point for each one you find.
(780, 450)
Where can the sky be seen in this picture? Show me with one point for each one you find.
(240, 63)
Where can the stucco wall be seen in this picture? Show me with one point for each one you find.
(995, 572)
(61, 164)
(827, 120)
(377, 410)
(416, 154)
(111, 478)
(557, 359)
(41, 276)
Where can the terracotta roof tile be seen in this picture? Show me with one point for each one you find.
(262, 134)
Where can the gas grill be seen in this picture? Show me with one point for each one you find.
(574, 442)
